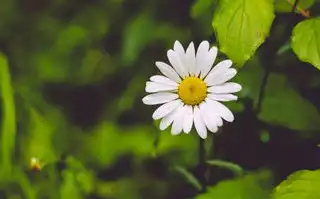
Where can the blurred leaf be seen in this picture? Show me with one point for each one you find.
(104, 150)
(182, 147)
(242, 26)
(69, 38)
(8, 130)
(200, 7)
(38, 142)
(300, 185)
(83, 177)
(189, 177)
(69, 189)
(139, 32)
(285, 6)
(251, 186)
(284, 48)
(236, 169)
(279, 102)
(306, 41)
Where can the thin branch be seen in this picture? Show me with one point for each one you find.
(295, 7)
(202, 164)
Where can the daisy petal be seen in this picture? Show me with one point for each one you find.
(223, 97)
(208, 61)
(208, 117)
(188, 119)
(163, 80)
(165, 109)
(229, 87)
(167, 120)
(199, 123)
(159, 98)
(221, 110)
(201, 56)
(219, 69)
(178, 48)
(152, 87)
(191, 59)
(168, 71)
(176, 63)
(222, 78)
(177, 125)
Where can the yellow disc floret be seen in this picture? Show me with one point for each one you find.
(192, 90)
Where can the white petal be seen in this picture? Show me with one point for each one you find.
(201, 56)
(152, 87)
(208, 116)
(223, 97)
(176, 63)
(159, 98)
(208, 61)
(199, 123)
(229, 87)
(177, 125)
(221, 110)
(219, 69)
(178, 48)
(221, 78)
(165, 109)
(191, 59)
(163, 80)
(167, 120)
(188, 119)
(168, 71)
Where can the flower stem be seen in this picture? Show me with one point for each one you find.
(202, 164)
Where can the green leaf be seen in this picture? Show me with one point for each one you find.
(8, 129)
(280, 102)
(306, 41)
(286, 5)
(299, 185)
(189, 177)
(251, 186)
(69, 189)
(242, 26)
(236, 169)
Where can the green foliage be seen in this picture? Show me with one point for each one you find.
(300, 185)
(8, 130)
(242, 26)
(251, 186)
(306, 41)
(200, 7)
(236, 169)
(189, 177)
(285, 6)
(279, 102)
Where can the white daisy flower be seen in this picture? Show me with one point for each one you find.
(190, 91)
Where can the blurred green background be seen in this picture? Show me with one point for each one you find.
(72, 76)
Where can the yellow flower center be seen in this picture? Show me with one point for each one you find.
(192, 90)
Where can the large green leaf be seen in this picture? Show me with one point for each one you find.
(242, 26)
(252, 186)
(306, 41)
(300, 185)
(283, 106)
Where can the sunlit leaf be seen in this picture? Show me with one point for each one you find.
(242, 26)
(252, 186)
(300, 185)
(306, 41)
(279, 102)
